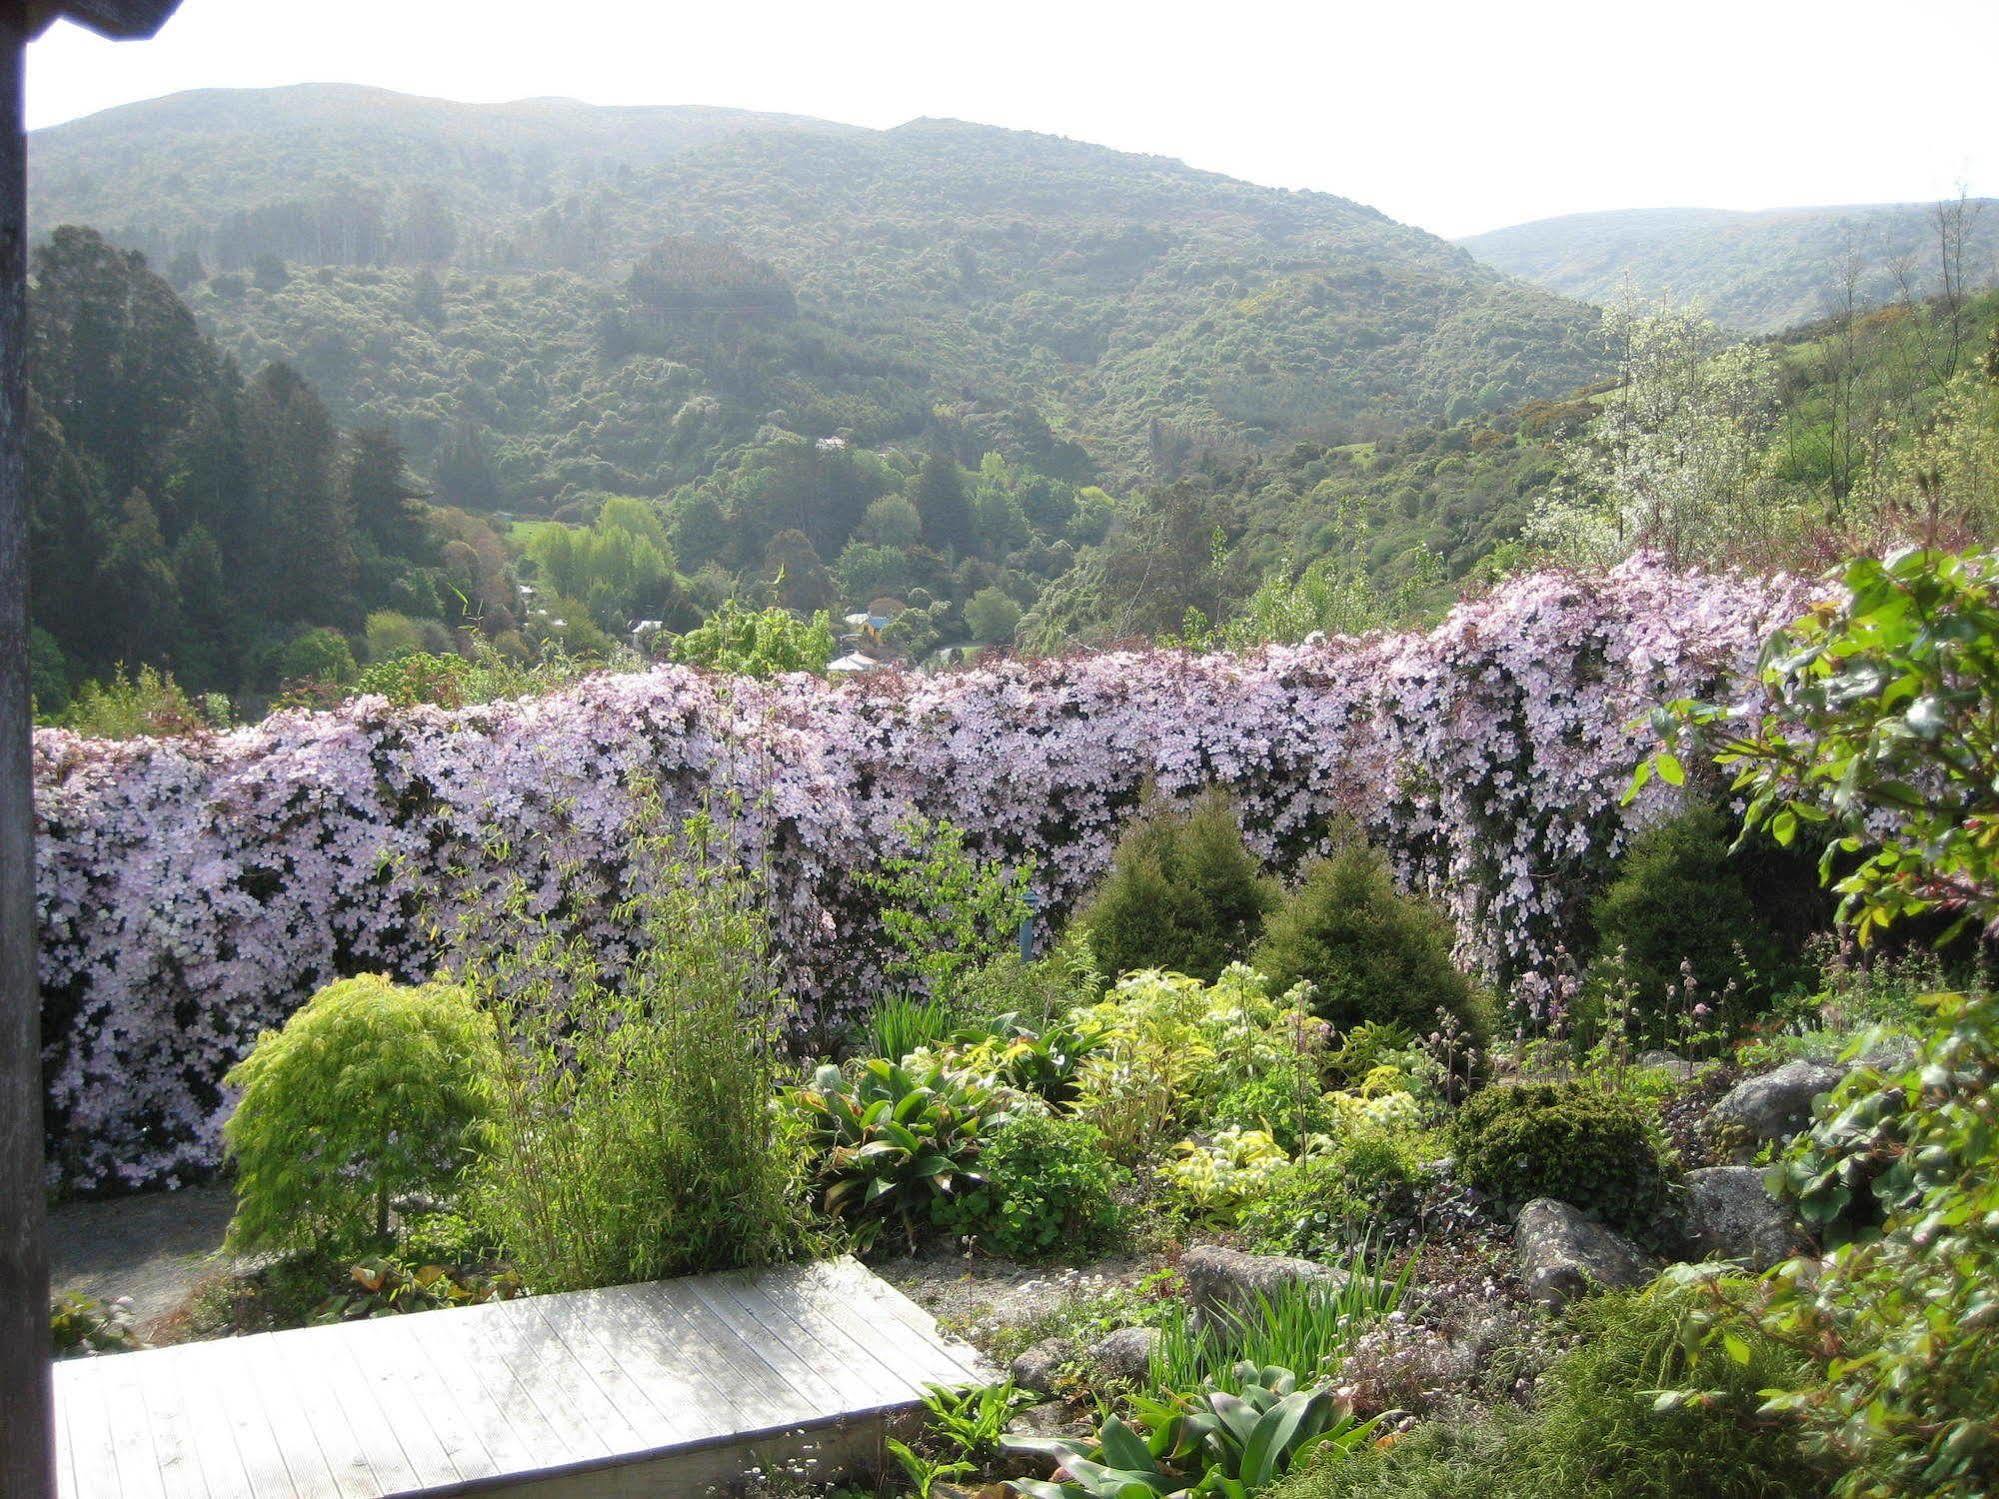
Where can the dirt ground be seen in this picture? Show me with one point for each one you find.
(155, 1247)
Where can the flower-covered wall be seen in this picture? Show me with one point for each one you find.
(194, 891)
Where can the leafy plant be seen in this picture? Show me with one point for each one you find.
(924, 1473)
(1215, 1176)
(1048, 1188)
(80, 1326)
(757, 643)
(1881, 702)
(946, 913)
(1369, 952)
(388, 1285)
(973, 1421)
(1333, 1202)
(890, 1141)
(1578, 1142)
(1215, 1442)
(371, 1092)
(1183, 894)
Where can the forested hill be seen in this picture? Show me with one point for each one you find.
(568, 298)
(1755, 272)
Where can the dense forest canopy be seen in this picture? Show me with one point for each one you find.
(1756, 272)
(431, 265)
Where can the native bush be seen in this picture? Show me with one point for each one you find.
(1578, 1142)
(1284, 1100)
(370, 1093)
(194, 891)
(1338, 1199)
(1370, 952)
(1184, 894)
(1048, 1189)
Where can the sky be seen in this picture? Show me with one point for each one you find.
(1458, 117)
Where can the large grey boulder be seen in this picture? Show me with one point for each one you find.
(1035, 1368)
(1125, 1354)
(1228, 1280)
(1889, 1055)
(1669, 1062)
(1564, 1253)
(1732, 1216)
(1776, 1105)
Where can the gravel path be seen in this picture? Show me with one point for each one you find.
(975, 1296)
(155, 1247)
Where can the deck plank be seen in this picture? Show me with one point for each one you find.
(625, 1391)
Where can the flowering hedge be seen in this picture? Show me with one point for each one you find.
(194, 891)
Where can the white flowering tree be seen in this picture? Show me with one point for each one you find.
(1674, 462)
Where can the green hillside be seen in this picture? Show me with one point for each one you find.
(463, 274)
(1754, 272)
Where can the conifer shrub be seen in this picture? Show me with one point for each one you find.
(1183, 894)
(372, 1092)
(1577, 1142)
(1371, 953)
(1681, 905)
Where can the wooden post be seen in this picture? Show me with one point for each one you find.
(27, 1449)
(27, 1446)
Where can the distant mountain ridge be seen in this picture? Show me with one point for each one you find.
(470, 263)
(1757, 271)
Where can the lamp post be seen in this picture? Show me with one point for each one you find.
(27, 1449)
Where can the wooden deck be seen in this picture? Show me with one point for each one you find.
(657, 1390)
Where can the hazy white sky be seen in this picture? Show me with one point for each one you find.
(1455, 116)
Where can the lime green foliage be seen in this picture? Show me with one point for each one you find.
(371, 1092)
(900, 1025)
(1600, 1428)
(1229, 1443)
(1883, 703)
(1161, 1046)
(1284, 1100)
(1590, 1147)
(945, 912)
(1049, 1189)
(1183, 894)
(1303, 1325)
(1680, 909)
(757, 643)
(892, 1141)
(1213, 1176)
(1903, 1172)
(614, 1084)
(146, 703)
(1370, 952)
(1333, 1201)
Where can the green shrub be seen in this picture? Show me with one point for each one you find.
(1284, 1100)
(1332, 1204)
(1049, 1188)
(1370, 952)
(634, 1136)
(1905, 1170)
(1678, 906)
(1599, 1428)
(1183, 894)
(946, 913)
(1577, 1142)
(1303, 1325)
(372, 1091)
(893, 1141)
(900, 1025)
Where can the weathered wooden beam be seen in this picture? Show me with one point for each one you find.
(120, 19)
(27, 1447)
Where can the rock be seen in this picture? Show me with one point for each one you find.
(1221, 1279)
(1732, 1216)
(1564, 1254)
(1035, 1368)
(1125, 1354)
(1778, 1104)
(1670, 1062)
